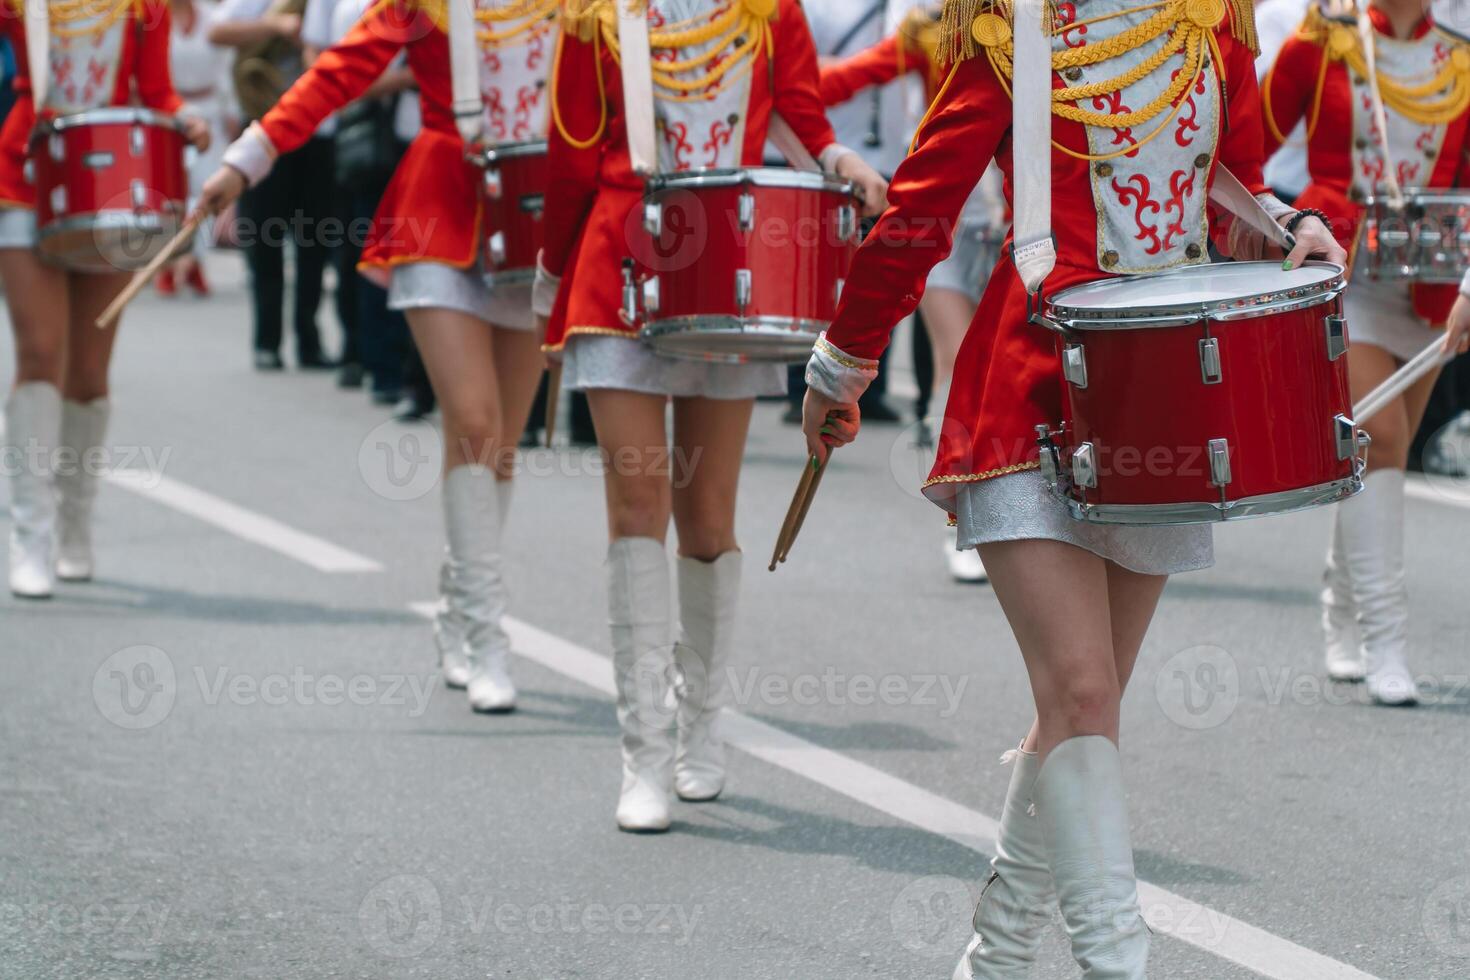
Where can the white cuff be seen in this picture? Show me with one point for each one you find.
(1275, 207)
(837, 374)
(252, 154)
(1465, 285)
(544, 290)
(830, 156)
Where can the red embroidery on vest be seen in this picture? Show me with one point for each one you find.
(1137, 193)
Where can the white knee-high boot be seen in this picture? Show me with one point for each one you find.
(32, 430)
(1339, 616)
(474, 589)
(639, 614)
(83, 427)
(1016, 902)
(449, 620)
(709, 594)
(1373, 540)
(1084, 819)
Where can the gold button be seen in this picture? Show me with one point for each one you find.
(1431, 153)
(1104, 169)
(1202, 161)
(1074, 74)
(1361, 144)
(1110, 258)
(1193, 251)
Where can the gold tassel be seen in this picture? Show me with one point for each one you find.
(1243, 24)
(956, 28)
(580, 18)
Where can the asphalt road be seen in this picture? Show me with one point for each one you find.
(231, 756)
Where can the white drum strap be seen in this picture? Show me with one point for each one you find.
(1035, 249)
(1380, 115)
(464, 72)
(38, 49)
(637, 71)
(784, 138)
(1229, 193)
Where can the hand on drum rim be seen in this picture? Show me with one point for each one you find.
(1315, 240)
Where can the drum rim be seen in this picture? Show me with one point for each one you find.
(1215, 512)
(654, 330)
(1459, 195)
(488, 156)
(1250, 306)
(122, 115)
(778, 177)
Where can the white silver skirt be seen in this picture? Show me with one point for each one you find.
(435, 285)
(1382, 314)
(968, 266)
(17, 228)
(628, 364)
(1019, 507)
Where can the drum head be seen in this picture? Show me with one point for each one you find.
(1195, 291)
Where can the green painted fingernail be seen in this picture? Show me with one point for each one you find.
(1286, 266)
(816, 463)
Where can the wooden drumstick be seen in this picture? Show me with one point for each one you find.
(806, 505)
(799, 500)
(553, 397)
(1427, 360)
(145, 275)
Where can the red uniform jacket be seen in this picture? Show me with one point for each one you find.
(142, 79)
(596, 191)
(1007, 378)
(433, 208)
(1292, 93)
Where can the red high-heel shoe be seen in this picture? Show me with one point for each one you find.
(165, 283)
(197, 282)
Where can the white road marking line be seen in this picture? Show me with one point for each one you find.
(243, 524)
(1421, 488)
(1167, 913)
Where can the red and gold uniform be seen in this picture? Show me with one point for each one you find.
(433, 209)
(1321, 76)
(738, 61)
(1135, 151)
(101, 54)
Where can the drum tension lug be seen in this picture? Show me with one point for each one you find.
(744, 288)
(1211, 370)
(629, 312)
(1050, 459)
(1337, 338)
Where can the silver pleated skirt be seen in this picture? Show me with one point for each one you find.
(435, 285)
(1382, 314)
(628, 364)
(17, 228)
(1019, 507)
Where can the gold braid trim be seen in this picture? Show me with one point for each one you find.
(980, 477)
(744, 24)
(958, 28)
(92, 17)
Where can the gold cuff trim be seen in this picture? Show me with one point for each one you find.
(846, 360)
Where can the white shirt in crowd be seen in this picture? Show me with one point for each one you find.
(1276, 22)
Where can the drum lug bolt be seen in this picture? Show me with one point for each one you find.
(57, 146)
(140, 194)
(1074, 365)
(1337, 338)
(653, 219)
(744, 287)
(747, 211)
(1219, 450)
(138, 141)
(1084, 466)
(1050, 458)
(846, 222)
(629, 312)
(1348, 438)
(1209, 361)
(651, 296)
(494, 186)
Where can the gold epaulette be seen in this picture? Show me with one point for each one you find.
(968, 26)
(922, 30)
(582, 18)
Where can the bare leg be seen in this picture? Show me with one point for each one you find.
(458, 352)
(89, 350)
(38, 298)
(634, 438)
(948, 315)
(519, 365)
(709, 443)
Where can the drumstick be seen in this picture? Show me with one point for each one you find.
(1377, 400)
(783, 539)
(806, 505)
(553, 396)
(145, 275)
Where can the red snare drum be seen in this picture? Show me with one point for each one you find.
(1204, 394)
(515, 197)
(111, 187)
(741, 265)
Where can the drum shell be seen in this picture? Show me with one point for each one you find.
(1428, 241)
(111, 188)
(515, 199)
(1151, 417)
(735, 290)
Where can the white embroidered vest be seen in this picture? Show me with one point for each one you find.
(514, 76)
(1413, 146)
(84, 66)
(700, 133)
(1151, 202)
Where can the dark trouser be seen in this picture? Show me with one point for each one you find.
(1450, 397)
(382, 343)
(289, 206)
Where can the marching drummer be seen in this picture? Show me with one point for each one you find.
(1374, 138)
(56, 416)
(426, 245)
(1133, 184)
(731, 66)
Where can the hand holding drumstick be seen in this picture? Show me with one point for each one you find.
(827, 425)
